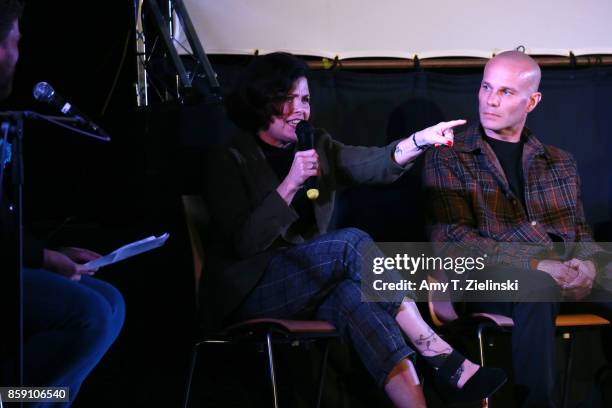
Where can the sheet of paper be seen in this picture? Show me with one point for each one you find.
(129, 250)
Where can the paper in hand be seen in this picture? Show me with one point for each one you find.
(129, 250)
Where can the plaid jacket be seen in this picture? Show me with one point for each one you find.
(472, 203)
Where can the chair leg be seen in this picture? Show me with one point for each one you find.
(485, 402)
(192, 364)
(271, 369)
(481, 343)
(568, 368)
(322, 375)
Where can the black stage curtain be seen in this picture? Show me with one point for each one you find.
(373, 108)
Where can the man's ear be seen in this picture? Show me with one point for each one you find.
(534, 99)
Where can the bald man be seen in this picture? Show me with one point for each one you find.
(499, 184)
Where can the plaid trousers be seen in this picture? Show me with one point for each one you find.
(321, 279)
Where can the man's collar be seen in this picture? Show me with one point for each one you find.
(473, 138)
(469, 140)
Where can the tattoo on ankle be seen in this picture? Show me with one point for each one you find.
(426, 344)
(429, 341)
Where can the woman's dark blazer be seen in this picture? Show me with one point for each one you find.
(250, 220)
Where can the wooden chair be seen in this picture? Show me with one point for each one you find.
(442, 312)
(263, 331)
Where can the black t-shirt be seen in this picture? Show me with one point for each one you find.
(510, 156)
(280, 159)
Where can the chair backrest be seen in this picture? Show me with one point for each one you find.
(197, 218)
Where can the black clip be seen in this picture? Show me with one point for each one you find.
(572, 61)
(417, 63)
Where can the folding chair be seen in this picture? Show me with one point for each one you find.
(263, 331)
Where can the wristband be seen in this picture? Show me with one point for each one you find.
(416, 144)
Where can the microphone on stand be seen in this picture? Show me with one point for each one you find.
(305, 137)
(43, 92)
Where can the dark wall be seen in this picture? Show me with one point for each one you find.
(77, 47)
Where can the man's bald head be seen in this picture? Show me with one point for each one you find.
(527, 68)
(508, 92)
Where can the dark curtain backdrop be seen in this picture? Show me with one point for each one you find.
(373, 108)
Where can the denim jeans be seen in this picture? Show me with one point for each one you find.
(68, 326)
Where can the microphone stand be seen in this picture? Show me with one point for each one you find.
(13, 124)
(61, 122)
(12, 282)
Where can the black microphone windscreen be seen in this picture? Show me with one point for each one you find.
(43, 92)
(304, 131)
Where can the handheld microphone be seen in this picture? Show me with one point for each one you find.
(305, 136)
(43, 92)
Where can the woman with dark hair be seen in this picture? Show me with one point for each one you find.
(273, 256)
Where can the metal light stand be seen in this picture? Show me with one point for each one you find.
(163, 25)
